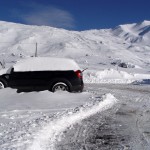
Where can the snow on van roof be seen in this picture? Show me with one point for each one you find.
(45, 64)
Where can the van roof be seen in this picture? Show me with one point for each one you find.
(45, 64)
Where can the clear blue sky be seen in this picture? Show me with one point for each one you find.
(75, 14)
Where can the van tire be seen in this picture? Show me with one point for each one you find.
(60, 86)
(3, 83)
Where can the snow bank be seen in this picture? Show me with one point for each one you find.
(48, 136)
(45, 64)
(112, 76)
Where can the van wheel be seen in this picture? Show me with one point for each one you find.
(3, 84)
(60, 86)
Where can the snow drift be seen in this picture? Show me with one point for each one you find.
(112, 76)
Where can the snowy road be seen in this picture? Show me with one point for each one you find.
(86, 121)
(126, 126)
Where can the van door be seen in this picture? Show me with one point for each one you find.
(40, 79)
(20, 79)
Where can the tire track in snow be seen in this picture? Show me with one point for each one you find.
(50, 134)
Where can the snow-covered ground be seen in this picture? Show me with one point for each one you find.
(36, 120)
(23, 114)
(88, 120)
(126, 125)
(104, 116)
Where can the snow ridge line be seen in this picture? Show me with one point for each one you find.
(47, 138)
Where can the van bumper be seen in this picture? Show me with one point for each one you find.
(78, 88)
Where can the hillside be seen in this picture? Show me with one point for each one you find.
(127, 45)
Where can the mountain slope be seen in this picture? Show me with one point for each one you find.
(134, 33)
(93, 48)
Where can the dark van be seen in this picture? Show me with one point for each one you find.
(44, 73)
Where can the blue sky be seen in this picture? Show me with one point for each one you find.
(75, 14)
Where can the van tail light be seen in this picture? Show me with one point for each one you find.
(79, 74)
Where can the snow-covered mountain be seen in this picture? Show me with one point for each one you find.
(134, 33)
(127, 45)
